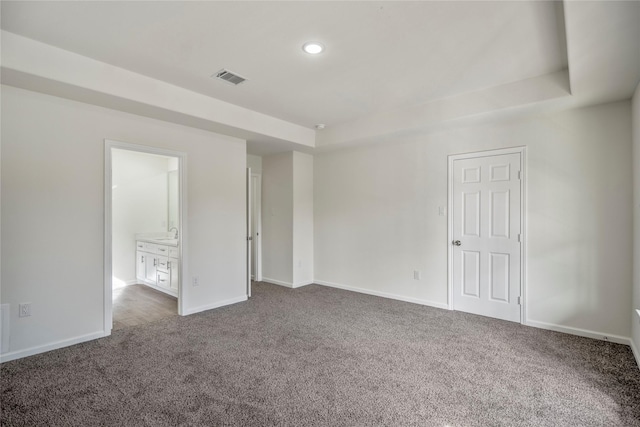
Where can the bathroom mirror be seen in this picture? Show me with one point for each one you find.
(172, 202)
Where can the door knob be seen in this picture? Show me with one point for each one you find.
(457, 243)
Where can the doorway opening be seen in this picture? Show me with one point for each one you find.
(144, 211)
(256, 226)
(487, 233)
(254, 229)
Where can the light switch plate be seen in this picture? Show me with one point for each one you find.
(24, 309)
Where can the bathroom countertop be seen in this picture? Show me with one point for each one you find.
(158, 239)
(168, 242)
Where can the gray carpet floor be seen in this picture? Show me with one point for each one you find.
(321, 356)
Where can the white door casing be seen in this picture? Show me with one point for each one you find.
(486, 234)
(249, 232)
(256, 200)
(109, 145)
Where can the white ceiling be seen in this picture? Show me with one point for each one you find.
(380, 56)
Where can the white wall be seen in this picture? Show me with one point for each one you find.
(635, 319)
(376, 215)
(287, 219)
(52, 214)
(139, 205)
(277, 218)
(302, 219)
(255, 163)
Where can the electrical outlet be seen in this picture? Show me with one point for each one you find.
(24, 309)
(195, 281)
(416, 274)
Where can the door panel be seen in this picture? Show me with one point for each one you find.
(500, 214)
(256, 201)
(471, 275)
(471, 212)
(249, 233)
(486, 222)
(471, 175)
(500, 172)
(500, 277)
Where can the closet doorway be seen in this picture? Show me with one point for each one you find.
(144, 240)
(254, 229)
(256, 226)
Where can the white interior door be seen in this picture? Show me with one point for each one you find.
(249, 235)
(486, 236)
(256, 200)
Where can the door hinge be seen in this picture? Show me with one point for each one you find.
(519, 237)
(519, 300)
(519, 174)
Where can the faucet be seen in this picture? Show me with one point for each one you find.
(175, 236)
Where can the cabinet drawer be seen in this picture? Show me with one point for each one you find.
(163, 279)
(163, 264)
(173, 252)
(150, 247)
(162, 250)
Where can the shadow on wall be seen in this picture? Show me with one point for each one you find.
(583, 249)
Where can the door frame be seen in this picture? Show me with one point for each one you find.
(522, 150)
(257, 213)
(249, 233)
(108, 225)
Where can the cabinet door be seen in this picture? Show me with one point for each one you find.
(174, 273)
(140, 270)
(151, 262)
(163, 280)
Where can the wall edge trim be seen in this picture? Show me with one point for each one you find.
(31, 351)
(383, 294)
(579, 332)
(278, 282)
(303, 283)
(217, 304)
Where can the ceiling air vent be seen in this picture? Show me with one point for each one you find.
(229, 77)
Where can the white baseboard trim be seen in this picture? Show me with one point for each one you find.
(383, 294)
(580, 332)
(214, 305)
(159, 289)
(131, 282)
(277, 282)
(13, 355)
(301, 284)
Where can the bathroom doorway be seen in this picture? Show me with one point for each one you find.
(144, 207)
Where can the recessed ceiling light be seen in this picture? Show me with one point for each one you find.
(320, 126)
(313, 48)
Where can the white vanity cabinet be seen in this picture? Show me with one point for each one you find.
(146, 263)
(157, 266)
(174, 274)
(141, 273)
